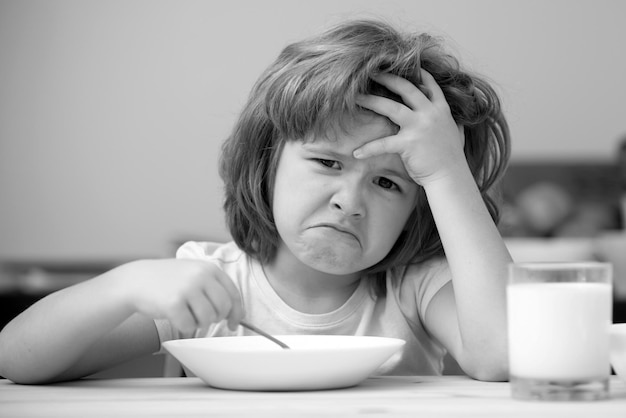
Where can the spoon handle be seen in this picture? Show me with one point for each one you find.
(264, 334)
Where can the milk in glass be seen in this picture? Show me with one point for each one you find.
(559, 331)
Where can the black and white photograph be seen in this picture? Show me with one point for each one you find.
(327, 208)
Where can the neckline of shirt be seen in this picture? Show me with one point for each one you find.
(354, 302)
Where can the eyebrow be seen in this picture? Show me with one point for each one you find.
(325, 150)
(401, 174)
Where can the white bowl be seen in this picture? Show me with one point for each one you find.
(254, 363)
(618, 349)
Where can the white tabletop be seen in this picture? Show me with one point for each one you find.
(416, 396)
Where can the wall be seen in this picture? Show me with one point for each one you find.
(112, 112)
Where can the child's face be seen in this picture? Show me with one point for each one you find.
(337, 214)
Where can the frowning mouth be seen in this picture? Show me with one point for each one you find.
(340, 229)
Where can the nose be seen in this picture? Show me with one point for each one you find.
(349, 199)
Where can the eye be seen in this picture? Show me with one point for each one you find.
(328, 163)
(385, 183)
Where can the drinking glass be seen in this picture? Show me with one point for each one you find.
(559, 316)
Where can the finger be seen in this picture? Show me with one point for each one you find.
(235, 312)
(436, 94)
(411, 95)
(182, 319)
(203, 310)
(219, 299)
(385, 145)
(396, 112)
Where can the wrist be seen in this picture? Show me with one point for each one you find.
(119, 285)
(457, 175)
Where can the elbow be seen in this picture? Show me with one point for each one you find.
(8, 367)
(493, 372)
(11, 368)
(14, 365)
(23, 377)
(13, 374)
(18, 379)
(488, 368)
(7, 370)
(11, 371)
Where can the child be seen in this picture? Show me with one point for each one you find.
(357, 182)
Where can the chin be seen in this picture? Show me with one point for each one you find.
(336, 262)
(330, 261)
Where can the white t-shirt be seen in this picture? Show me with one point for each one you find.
(398, 314)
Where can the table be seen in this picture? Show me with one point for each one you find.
(415, 396)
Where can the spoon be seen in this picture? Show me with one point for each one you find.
(264, 334)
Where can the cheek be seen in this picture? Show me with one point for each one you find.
(394, 230)
(290, 203)
(287, 195)
(406, 218)
(282, 188)
(390, 223)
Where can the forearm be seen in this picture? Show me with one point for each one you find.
(109, 319)
(54, 333)
(478, 260)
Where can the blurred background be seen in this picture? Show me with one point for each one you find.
(112, 114)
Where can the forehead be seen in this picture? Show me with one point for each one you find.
(356, 131)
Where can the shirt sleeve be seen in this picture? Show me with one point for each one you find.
(197, 249)
(428, 278)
